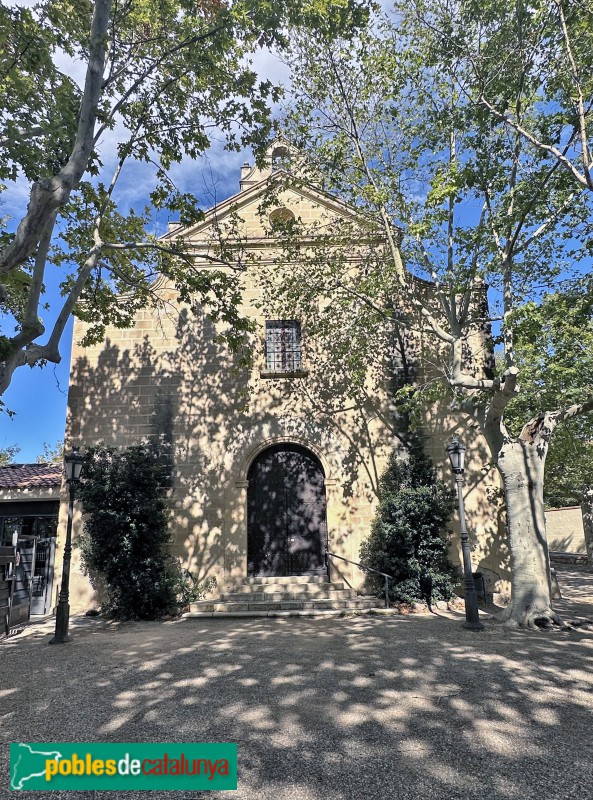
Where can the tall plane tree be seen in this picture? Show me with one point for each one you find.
(457, 198)
(158, 79)
(554, 354)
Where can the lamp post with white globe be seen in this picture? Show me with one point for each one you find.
(456, 453)
(73, 467)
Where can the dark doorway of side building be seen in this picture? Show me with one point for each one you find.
(286, 513)
(31, 528)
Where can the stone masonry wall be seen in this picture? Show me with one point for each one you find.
(169, 380)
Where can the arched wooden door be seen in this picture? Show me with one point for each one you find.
(286, 513)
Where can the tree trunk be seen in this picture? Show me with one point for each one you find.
(587, 512)
(521, 465)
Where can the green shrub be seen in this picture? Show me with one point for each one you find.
(407, 535)
(188, 588)
(124, 543)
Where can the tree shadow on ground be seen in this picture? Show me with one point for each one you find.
(405, 707)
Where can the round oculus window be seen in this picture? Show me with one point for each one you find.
(281, 216)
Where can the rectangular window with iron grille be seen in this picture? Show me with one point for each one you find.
(283, 346)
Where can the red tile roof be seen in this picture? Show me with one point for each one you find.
(28, 476)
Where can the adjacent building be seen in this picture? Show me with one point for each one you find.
(29, 507)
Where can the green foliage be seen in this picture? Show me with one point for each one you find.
(172, 72)
(188, 587)
(407, 536)
(51, 454)
(124, 544)
(8, 454)
(388, 120)
(569, 465)
(38, 102)
(543, 48)
(554, 348)
(554, 353)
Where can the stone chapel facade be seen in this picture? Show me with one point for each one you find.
(250, 447)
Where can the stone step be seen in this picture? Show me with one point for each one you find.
(285, 579)
(285, 586)
(568, 558)
(210, 606)
(288, 595)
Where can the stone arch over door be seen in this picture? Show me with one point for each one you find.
(275, 430)
(239, 456)
(286, 512)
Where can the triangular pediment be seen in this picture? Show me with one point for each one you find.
(251, 209)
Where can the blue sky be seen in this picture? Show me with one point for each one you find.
(38, 398)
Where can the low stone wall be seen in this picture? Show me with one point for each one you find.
(564, 528)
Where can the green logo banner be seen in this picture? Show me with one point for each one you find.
(80, 766)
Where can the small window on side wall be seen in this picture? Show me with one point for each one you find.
(283, 346)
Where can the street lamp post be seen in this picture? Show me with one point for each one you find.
(456, 453)
(73, 467)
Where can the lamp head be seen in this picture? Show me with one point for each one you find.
(456, 453)
(73, 465)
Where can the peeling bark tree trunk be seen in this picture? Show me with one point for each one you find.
(587, 512)
(521, 465)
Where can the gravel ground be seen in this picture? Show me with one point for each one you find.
(334, 709)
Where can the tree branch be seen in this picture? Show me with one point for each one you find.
(22, 134)
(580, 102)
(52, 193)
(191, 40)
(31, 320)
(459, 379)
(51, 350)
(188, 257)
(544, 424)
(547, 148)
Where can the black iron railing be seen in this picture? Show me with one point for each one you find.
(388, 578)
